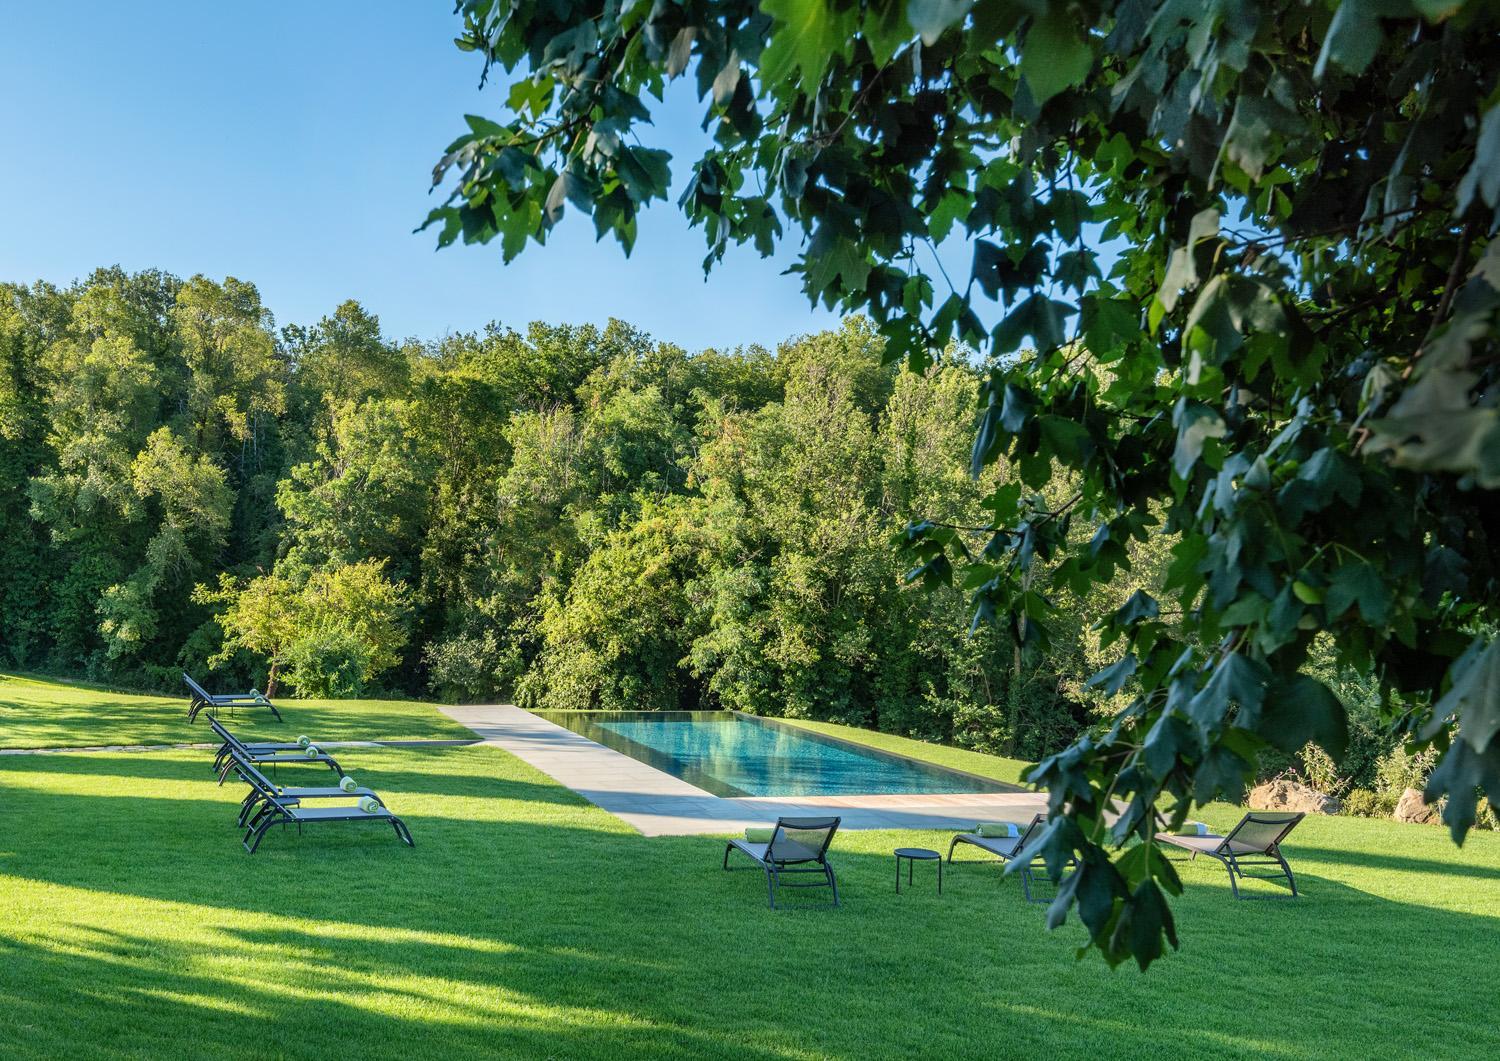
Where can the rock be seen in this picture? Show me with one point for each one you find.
(1293, 796)
(1414, 809)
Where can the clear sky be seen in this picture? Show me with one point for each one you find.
(291, 144)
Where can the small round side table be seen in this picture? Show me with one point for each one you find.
(913, 855)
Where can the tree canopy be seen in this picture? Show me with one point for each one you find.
(1232, 279)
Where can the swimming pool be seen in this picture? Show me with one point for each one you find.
(731, 754)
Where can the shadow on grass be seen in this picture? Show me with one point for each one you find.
(1397, 862)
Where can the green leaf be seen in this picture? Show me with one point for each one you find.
(931, 17)
(1196, 424)
(1484, 174)
(1474, 695)
(1299, 709)
(1237, 680)
(1307, 594)
(808, 34)
(1360, 583)
(1054, 56)
(1016, 407)
(1353, 38)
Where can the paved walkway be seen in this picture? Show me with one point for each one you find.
(659, 804)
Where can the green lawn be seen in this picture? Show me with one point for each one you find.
(528, 923)
(994, 766)
(43, 713)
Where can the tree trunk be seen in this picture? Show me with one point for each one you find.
(271, 679)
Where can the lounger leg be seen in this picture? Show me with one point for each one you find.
(276, 713)
(771, 886)
(247, 805)
(1234, 888)
(259, 833)
(402, 832)
(834, 884)
(1291, 880)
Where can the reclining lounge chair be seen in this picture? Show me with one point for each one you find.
(200, 698)
(798, 845)
(263, 788)
(1008, 849)
(236, 749)
(1255, 841)
(275, 810)
(229, 742)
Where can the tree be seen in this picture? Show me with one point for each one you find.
(1239, 257)
(334, 632)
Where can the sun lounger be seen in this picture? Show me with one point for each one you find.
(275, 810)
(237, 749)
(1008, 849)
(1255, 842)
(797, 846)
(263, 788)
(201, 698)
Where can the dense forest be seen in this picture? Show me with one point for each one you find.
(568, 517)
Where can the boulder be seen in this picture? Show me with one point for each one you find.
(1283, 794)
(1414, 809)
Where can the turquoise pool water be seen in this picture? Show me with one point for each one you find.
(740, 755)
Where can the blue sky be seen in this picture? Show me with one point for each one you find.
(291, 144)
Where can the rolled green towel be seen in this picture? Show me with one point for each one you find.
(1193, 829)
(304, 740)
(997, 829)
(760, 834)
(368, 804)
(347, 783)
(312, 751)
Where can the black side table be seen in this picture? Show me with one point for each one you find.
(913, 855)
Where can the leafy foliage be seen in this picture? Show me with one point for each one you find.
(1238, 263)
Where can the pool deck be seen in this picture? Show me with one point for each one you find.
(659, 804)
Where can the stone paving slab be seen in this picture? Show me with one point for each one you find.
(658, 804)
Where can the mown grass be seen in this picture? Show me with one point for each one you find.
(43, 713)
(994, 766)
(528, 923)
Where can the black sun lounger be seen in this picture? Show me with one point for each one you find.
(275, 810)
(229, 742)
(201, 698)
(798, 845)
(1008, 849)
(1255, 841)
(263, 788)
(239, 750)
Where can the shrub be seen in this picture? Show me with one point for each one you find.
(330, 663)
(1363, 803)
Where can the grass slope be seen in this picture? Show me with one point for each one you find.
(44, 713)
(529, 923)
(993, 766)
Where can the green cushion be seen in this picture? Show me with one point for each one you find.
(368, 804)
(760, 834)
(997, 829)
(1193, 829)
